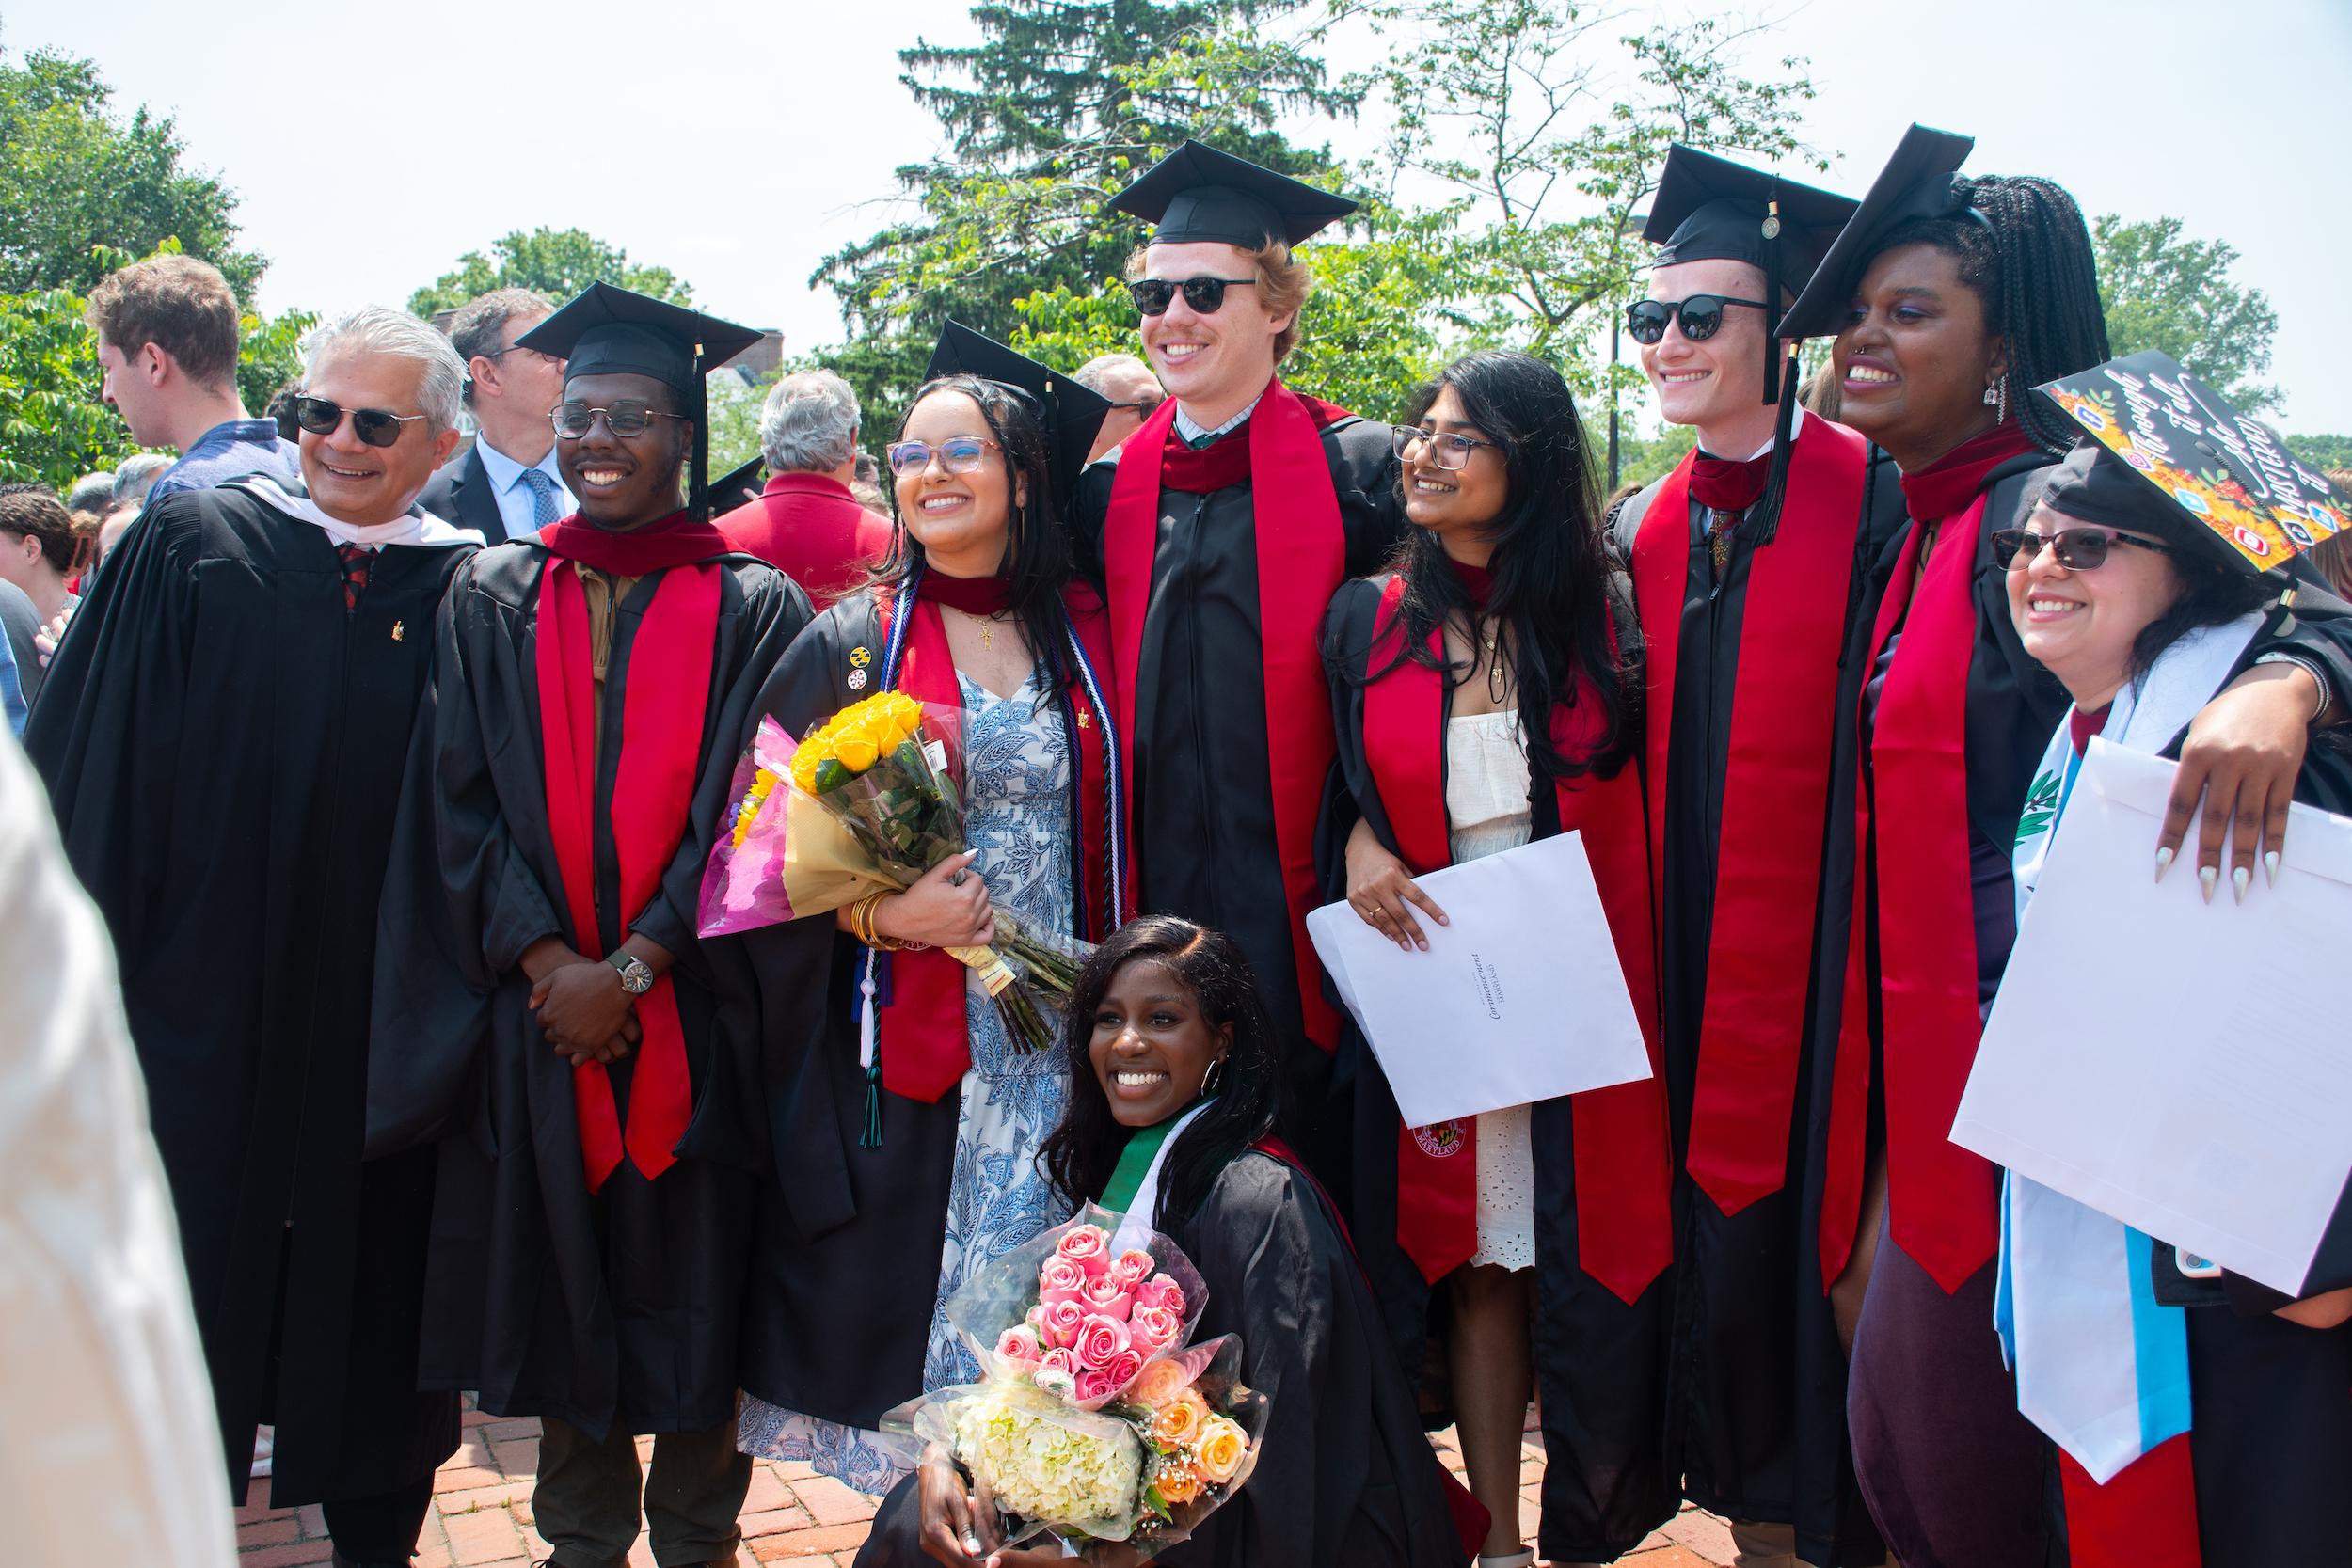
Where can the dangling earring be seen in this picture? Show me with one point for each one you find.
(1997, 398)
(1215, 1078)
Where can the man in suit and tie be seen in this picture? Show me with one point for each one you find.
(506, 485)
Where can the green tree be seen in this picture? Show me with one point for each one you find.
(76, 177)
(2323, 451)
(558, 263)
(2175, 295)
(1049, 116)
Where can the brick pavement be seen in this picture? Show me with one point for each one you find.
(793, 1518)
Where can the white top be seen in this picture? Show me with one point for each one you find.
(109, 1450)
(1487, 811)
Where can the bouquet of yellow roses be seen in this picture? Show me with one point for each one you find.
(866, 803)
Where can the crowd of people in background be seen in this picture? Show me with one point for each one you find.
(394, 731)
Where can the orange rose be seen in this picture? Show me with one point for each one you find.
(1178, 1484)
(1222, 1445)
(1178, 1420)
(1161, 1382)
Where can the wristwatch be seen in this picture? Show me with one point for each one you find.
(636, 978)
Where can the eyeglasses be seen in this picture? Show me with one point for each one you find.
(1702, 315)
(2080, 549)
(1152, 295)
(377, 427)
(958, 454)
(1448, 450)
(538, 353)
(573, 421)
(1141, 406)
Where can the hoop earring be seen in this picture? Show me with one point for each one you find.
(1214, 1079)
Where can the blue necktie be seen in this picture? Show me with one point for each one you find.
(542, 497)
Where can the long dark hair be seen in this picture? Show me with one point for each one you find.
(1079, 1154)
(2025, 253)
(1553, 589)
(1037, 553)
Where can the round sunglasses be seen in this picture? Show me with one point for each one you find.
(958, 454)
(1206, 295)
(377, 427)
(1702, 316)
(573, 421)
(2078, 549)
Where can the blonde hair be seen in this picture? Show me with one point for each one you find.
(1284, 284)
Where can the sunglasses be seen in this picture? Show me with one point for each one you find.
(1702, 316)
(958, 454)
(1449, 451)
(2080, 549)
(1152, 295)
(1141, 406)
(377, 427)
(573, 421)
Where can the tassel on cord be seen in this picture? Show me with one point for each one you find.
(871, 1136)
(1763, 518)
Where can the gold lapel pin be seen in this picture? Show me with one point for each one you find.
(398, 626)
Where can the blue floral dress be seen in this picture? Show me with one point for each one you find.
(1017, 813)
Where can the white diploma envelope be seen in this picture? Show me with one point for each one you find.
(1519, 998)
(2182, 1067)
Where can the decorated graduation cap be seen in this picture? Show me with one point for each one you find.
(606, 330)
(1920, 181)
(1198, 194)
(2164, 445)
(1071, 413)
(1709, 209)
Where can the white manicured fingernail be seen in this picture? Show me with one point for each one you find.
(2207, 875)
(2239, 877)
(2271, 865)
(2164, 860)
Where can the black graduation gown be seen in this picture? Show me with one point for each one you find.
(222, 743)
(1345, 1478)
(1202, 820)
(617, 1310)
(1598, 1359)
(1754, 1376)
(837, 1213)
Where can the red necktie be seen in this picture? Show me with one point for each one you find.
(356, 561)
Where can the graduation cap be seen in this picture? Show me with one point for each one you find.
(604, 329)
(1709, 209)
(2165, 445)
(1070, 412)
(737, 487)
(1198, 194)
(1917, 183)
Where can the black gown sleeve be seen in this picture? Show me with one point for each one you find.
(461, 900)
(1349, 794)
(108, 733)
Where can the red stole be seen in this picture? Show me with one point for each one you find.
(1624, 1163)
(1768, 869)
(925, 1041)
(1302, 558)
(2145, 1517)
(653, 794)
(1942, 1200)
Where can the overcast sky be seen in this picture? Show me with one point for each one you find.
(738, 143)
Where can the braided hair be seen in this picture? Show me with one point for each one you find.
(2025, 253)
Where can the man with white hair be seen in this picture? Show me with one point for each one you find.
(1134, 393)
(222, 735)
(806, 523)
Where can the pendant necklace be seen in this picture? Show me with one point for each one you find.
(1494, 665)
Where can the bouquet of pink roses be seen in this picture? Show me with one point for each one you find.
(1095, 1418)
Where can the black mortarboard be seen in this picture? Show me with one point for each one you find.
(736, 487)
(1070, 412)
(1709, 209)
(1197, 193)
(2169, 451)
(1916, 182)
(603, 330)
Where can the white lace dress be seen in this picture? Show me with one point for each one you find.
(1486, 804)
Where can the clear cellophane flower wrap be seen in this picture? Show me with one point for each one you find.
(1095, 1418)
(866, 802)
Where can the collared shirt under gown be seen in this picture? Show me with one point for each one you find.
(616, 1310)
(221, 738)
